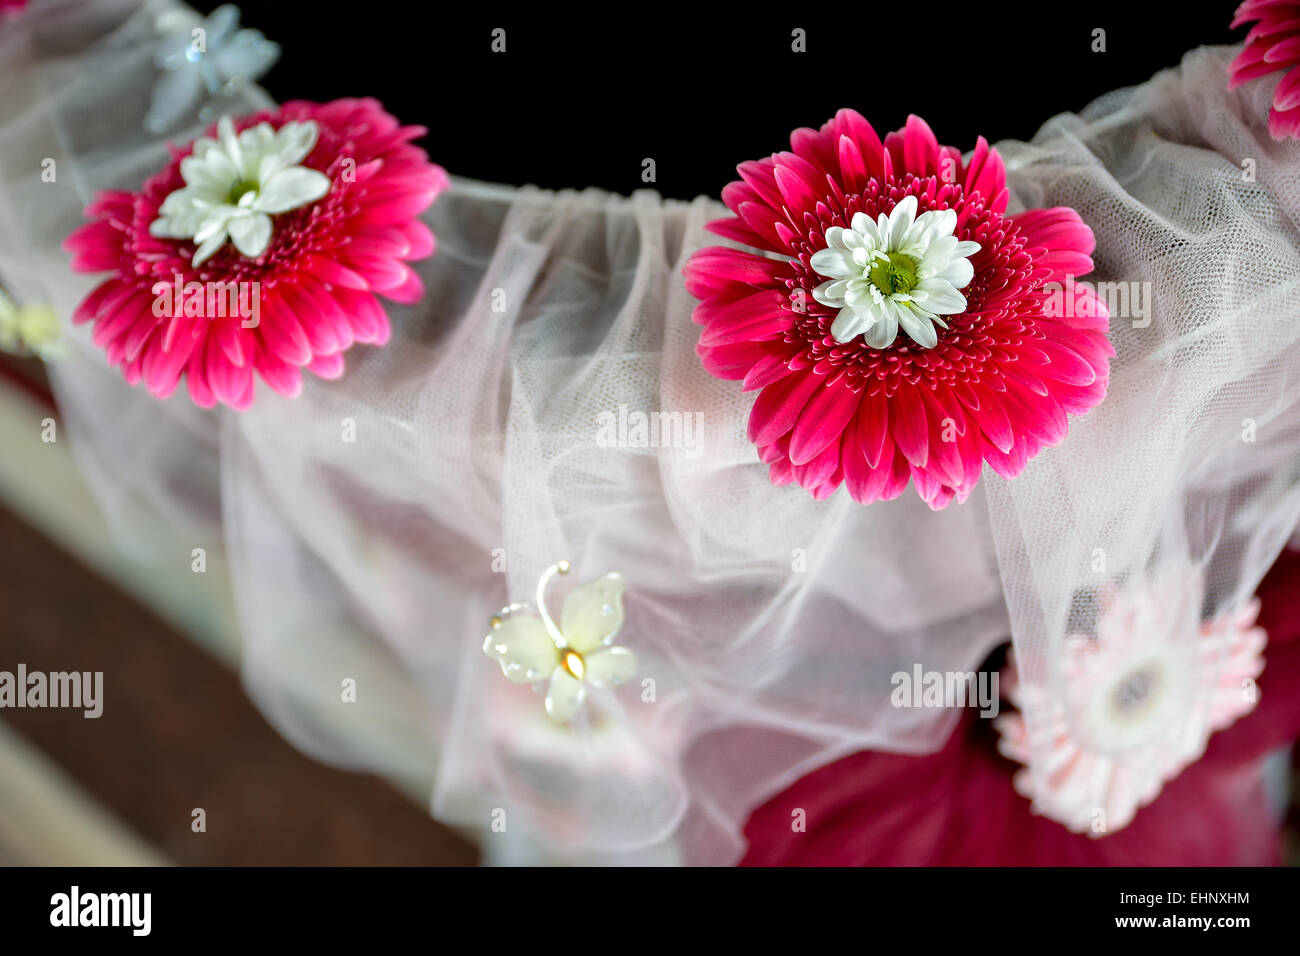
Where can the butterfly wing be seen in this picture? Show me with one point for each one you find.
(522, 647)
(593, 613)
(610, 666)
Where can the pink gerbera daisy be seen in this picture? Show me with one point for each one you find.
(1272, 44)
(896, 322)
(307, 212)
(1134, 705)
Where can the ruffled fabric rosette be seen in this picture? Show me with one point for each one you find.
(1131, 707)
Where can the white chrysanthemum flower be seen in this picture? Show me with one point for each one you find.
(578, 652)
(29, 329)
(902, 270)
(235, 183)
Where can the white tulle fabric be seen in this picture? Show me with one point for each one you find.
(375, 524)
(1190, 469)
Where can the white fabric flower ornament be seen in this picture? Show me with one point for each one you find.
(201, 58)
(531, 648)
(31, 329)
(236, 182)
(901, 270)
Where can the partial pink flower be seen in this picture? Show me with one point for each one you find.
(12, 6)
(324, 252)
(1133, 705)
(1272, 44)
(972, 363)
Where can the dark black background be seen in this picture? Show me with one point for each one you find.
(585, 92)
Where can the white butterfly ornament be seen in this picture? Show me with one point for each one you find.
(530, 647)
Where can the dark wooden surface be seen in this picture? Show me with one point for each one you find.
(178, 733)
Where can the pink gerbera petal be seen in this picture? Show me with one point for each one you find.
(1272, 45)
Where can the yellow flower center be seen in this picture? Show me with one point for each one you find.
(896, 272)
(573, 663)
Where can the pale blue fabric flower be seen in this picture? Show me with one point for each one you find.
(204, 58)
